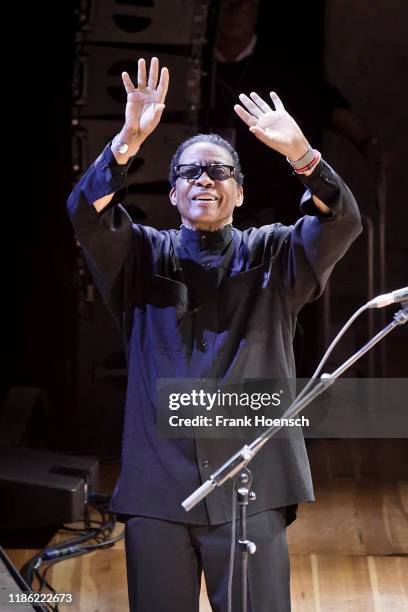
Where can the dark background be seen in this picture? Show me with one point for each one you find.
(363, 51)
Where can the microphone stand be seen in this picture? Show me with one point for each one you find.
(244, 496)
(237, 463)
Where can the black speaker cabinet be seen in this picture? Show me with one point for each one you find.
(39, 488)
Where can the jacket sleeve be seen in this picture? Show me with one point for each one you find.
(318, 241)
(115, 249)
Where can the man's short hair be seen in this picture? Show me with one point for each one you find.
(213, 139)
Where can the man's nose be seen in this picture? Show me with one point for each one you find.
(204, 179)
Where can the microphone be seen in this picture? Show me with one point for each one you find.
(400, 295)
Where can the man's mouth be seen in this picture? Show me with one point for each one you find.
(204, 198)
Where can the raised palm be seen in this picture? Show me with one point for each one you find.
(276, 128)
(146, 102)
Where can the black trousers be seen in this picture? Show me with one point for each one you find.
(165, 561)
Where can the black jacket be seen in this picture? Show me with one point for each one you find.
(244, 329)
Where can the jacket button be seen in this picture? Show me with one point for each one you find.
(204, 463)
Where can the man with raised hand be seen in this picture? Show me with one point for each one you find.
(207, 301)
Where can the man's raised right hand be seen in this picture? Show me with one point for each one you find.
(144, 107)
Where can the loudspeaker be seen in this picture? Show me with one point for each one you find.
(141, 21)
(98, 88)
(40, 488)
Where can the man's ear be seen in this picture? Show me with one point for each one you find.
(172, 196)
(240, 196)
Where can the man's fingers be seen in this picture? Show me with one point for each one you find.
(277, 101)
(153, 73)
(259, 102)
(141, 73)
(253, 108)
(163, 84)
(244, 115)
(127, 82)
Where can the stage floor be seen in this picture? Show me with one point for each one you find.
(348, 550)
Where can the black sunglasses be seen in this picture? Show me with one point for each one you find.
(216, 172)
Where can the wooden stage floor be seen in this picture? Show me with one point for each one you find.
(348, 552)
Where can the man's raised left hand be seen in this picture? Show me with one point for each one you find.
(276, 128)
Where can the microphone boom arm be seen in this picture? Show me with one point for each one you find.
(242, 457)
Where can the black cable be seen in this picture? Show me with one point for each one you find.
(97, 530)
(54, 561)
(72, 529)
(41, 583)
(81, 551)
(27, 570)
(106, 543)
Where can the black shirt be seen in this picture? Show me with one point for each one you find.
(184, 319)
